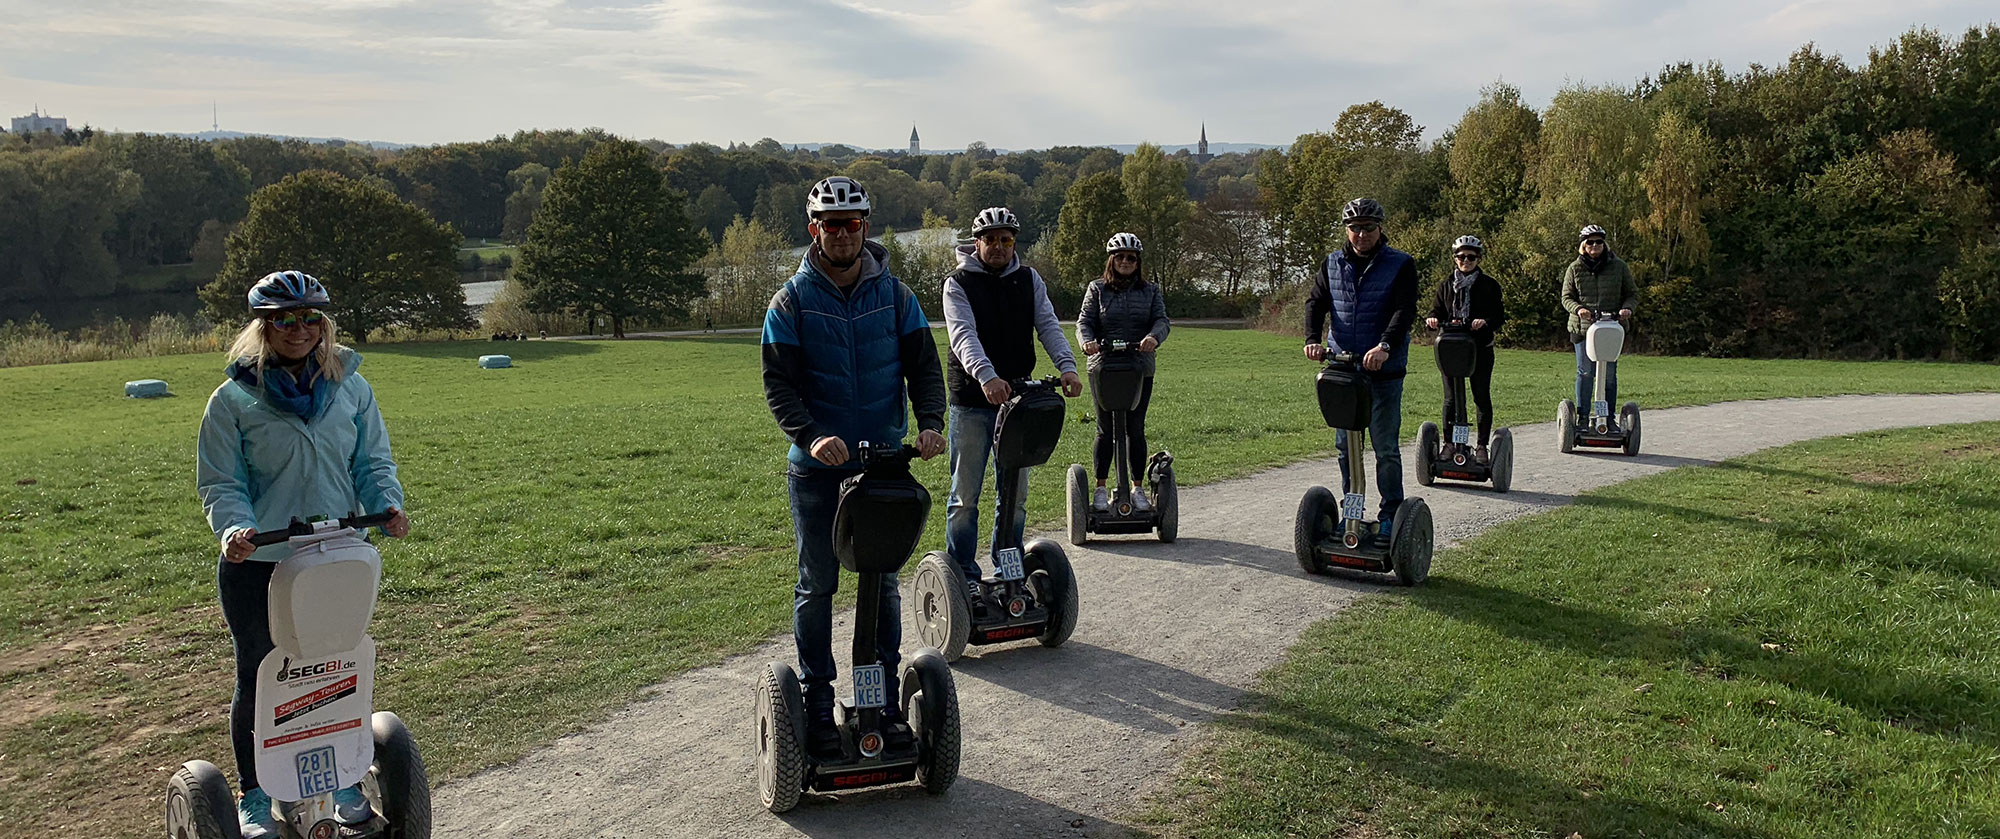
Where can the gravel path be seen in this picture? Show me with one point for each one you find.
(1063, 743)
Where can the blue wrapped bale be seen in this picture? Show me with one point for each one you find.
(494, 362)
(146, 389)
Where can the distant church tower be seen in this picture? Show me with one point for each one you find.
(1201, 154)
(915, 147)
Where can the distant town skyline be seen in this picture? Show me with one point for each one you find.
(1022, 74)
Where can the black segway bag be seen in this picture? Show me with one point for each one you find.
(1117, 381)
(1457, 352)
(878, 521)
(1344, 397)
(1029, 427)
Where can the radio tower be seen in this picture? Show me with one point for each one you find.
(215, 114)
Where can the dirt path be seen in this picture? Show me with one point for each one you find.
(1062, 743)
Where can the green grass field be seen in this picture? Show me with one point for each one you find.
(1800, 643)
(599, 518)
(488, 249)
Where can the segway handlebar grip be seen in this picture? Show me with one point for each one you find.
(869, 454)
(300, 528)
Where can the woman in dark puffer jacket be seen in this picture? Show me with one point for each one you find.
(1470, 296)
(1122, 306)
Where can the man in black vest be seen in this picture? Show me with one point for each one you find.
(1370, 290)
(994, 309)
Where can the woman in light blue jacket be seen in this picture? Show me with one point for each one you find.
(293, 433)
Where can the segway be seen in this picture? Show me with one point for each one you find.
(880, 517)
(314, 733)
(1116, 385)
(1457, 354)
(1600, 430)
(1333, 533)
(1032, 592)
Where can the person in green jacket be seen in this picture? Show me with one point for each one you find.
(1597, 281)
(292, 433)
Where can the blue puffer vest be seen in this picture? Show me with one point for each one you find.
(851, 345)
(1361, 304)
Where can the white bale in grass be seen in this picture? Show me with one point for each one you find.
(146, 389)
(494, 362)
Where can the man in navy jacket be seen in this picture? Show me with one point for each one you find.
(841, 340)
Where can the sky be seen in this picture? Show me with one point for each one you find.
(1014, 73)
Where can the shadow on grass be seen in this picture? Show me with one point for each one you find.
(1525, 798)
(1112, 686)
(1896, 696)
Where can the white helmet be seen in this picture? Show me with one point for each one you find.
(836, 193)
(1590, 230)
(1124, 242)
(1464, 242)
(994, 218)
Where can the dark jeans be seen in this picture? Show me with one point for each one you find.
(1482, 397)
(815, 495)
(971, 451)
(1135, 438)
(1385, 434)
(245, 589)
(1586, 382)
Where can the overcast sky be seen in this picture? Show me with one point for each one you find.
(1015, 73)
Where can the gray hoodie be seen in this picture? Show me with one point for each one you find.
(964, 336)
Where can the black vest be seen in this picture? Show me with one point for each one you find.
(1003, 314)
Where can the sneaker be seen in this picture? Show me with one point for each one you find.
(897, 737)
(822, 733)
(1481, 454)
(975, 594)
(1102, 499)
(1383, 531)
(1139, 501)
(254, 818)
(351, 808)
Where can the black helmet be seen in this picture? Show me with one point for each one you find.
(1362, 209)
(281, 290)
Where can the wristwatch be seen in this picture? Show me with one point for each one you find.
(1384, 346)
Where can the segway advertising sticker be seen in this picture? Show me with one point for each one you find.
(312, 732)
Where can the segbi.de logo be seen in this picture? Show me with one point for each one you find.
(286, 672)
(862, 780)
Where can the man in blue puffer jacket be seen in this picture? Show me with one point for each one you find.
(1371, 291)
(840, 340)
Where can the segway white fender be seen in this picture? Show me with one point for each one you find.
(311, 732)
(1604, 341)
(323, 594)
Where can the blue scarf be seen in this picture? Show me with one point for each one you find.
(303, 394)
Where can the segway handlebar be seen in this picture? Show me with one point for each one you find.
(1342, 357)
(1121, 346)
(869, 454)
(1044, 383)
(300, 528)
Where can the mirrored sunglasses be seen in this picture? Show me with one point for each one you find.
(296, 319)
(850, 225)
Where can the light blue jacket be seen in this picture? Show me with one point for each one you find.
(259, 467)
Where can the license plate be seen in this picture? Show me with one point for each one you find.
(1461, 434)
(316, 771)
(869, 691)
(1353, 506)
(1600, 409)
(1008, 561)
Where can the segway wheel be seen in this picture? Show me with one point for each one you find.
(200, 804)
(1566, 426)
(1055, 585)
(1427, 449)
(1410, 542)
(939, 606)
(930, 703)
(781, 723)
(1502, 459)
(402, 789)
(1314, 524)
(1628, 416)
(1167, 497)
(1079, 504)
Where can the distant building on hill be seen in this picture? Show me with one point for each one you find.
(40, 123)
(1201, 154)
(915, 147)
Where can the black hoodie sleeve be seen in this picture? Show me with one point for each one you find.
(917, 350)
(785, 376)
(1441, 300)
(1489, 303)
(1319, 303)
(1403, 305)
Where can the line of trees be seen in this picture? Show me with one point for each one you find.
(1813, 208)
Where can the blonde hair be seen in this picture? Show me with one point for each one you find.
(250, 346)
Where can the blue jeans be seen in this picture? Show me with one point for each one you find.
(1586, 382)
(971, 448)
(815, 495)
(1385, 433)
